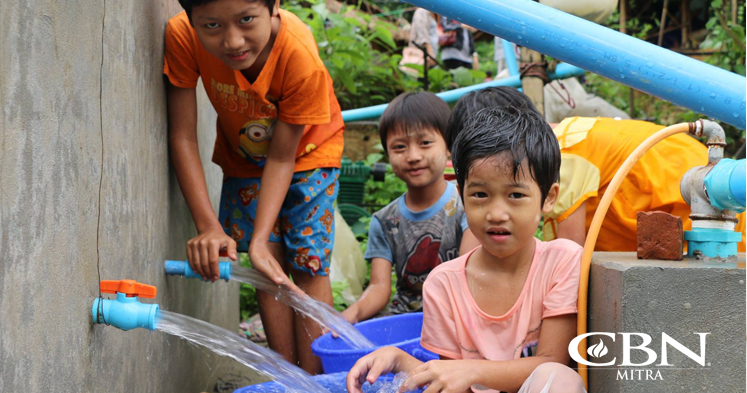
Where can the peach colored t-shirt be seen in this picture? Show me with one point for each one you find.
(293, 86)
(455, 327)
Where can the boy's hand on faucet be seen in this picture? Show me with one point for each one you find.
(203, 252)
(263, 261)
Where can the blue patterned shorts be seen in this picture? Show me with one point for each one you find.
(306, 223)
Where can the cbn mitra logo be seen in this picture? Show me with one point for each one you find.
(598, 350)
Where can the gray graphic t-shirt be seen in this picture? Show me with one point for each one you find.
(416, 242)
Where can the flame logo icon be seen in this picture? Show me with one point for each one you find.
(597, 350)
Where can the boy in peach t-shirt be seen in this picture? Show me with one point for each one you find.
(279, 144)
(502, 316)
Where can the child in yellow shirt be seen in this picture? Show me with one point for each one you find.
(592, 150)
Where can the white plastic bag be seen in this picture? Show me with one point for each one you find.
(347, 261)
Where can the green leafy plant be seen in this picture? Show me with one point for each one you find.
(726, 37)
(381, 193)
(247, 294)
(337, 288)
(348, 42)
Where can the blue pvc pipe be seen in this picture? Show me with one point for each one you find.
(182, 268)
(562, 71)
(725, 184)
(510, 55)
(657, 71)
(738, 182)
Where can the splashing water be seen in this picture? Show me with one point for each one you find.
(335, 383)
(320, 312)
(393, 385)
(227, 343)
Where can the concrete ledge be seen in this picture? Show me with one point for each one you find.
(679, 298)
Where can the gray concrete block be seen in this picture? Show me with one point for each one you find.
(679, 298)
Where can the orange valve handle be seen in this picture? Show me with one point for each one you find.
(130, 288)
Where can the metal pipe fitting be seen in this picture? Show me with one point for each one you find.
(716, 138)
(694, 193)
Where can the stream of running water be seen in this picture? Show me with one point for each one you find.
(320, 312)
(227, 343)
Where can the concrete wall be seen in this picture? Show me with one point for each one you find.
(679, 299)
(87, 193)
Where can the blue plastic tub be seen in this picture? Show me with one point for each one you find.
(335, 383)
(401, 331)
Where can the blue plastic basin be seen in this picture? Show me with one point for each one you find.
(401, 331)
(335, 383)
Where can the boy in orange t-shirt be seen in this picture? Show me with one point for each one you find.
(279, 144)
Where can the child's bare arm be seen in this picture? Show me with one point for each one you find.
(574, 226)
(376, 295)
(459, 375)
(276, 178)
(202, 250)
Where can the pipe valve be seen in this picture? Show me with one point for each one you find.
(125, 312)
(715, 193)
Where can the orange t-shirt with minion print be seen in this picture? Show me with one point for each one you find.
(293, 86)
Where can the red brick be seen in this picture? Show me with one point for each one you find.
(659, 236)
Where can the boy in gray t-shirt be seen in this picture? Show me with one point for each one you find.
(416, 242)
(423, 227)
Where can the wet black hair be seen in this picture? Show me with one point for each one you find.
(188, 5)
(412, 111)
(474, 101)
(521, 131)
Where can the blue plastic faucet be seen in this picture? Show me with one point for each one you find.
(126, 312)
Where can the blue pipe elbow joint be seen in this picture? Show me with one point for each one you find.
(181, 268)
(126, 312)
(725, 185)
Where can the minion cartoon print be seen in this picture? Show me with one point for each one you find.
(254, 140)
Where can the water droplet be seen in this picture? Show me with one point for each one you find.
(622, 76)
(543, 36)
(519, 37)
(735, 114)
(650, 64)
(713, 95)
